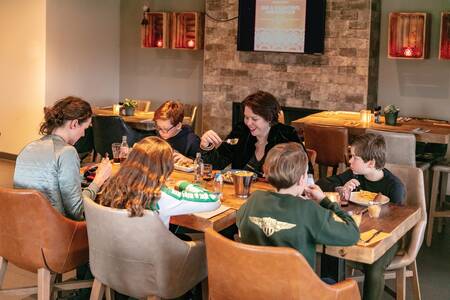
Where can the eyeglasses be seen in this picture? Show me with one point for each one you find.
(165, 130)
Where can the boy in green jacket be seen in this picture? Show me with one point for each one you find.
(285, 218)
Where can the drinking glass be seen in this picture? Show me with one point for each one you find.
(207, 172)
(242, 181)
(343, 195)
(116, 152)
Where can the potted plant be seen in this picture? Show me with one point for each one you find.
(391, 114)
(129, 106)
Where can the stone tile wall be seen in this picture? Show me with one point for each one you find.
(343, 78)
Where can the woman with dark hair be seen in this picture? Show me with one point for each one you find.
(169, 125)
(51, 164)
(247, 145)
(140, 184)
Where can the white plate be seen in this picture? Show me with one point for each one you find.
(356, 198)
(183, 168)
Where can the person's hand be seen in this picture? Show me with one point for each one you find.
(210, 138)
(314, 192)
(351, 184)
(180, 158)
(103, 172)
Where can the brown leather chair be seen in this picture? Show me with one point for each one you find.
(36, 237)
(139, 256)
(331, 145)
(241, 271)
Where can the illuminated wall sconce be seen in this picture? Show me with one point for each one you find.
(155, 30)
(408, 35)
(187, 30)
(444, 43)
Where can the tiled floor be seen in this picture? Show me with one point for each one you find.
(433, 262)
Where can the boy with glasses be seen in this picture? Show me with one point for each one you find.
(169, 125)
(367, 172)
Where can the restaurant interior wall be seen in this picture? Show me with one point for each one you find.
(420, 87)
(343, 78)
(83, 50)
(158, 74)
(22, 72)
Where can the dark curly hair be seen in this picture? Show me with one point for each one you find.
(263, 104)
(66, 109)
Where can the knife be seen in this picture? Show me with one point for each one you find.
(374, 235)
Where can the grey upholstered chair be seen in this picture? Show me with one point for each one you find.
(404, 263)
(139, 256)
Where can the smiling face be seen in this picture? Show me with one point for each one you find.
(166, 130)
(258, 126)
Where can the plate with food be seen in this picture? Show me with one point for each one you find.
(228, 174)
(184, 166)
(367, 198)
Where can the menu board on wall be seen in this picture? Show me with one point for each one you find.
(280, 25)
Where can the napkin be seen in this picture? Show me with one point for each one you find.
(210, 214)
(364, 236)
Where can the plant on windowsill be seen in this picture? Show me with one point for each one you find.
(391, 114)
(129, 106)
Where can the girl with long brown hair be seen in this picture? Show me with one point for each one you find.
(141, 184)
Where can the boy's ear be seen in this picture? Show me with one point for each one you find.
(371, 163)
(302, 180)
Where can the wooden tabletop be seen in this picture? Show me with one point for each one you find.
(393, 219)
(140, 120)
(433, 131)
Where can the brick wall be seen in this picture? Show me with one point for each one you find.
(343, 78)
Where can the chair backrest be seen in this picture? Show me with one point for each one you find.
(110, 129)
(312, 155)
(240, 271)
(190, 114)
(400, 147)
(138, 256)
(330, 143)
(412, 178)
(143, 105)
(35, 235)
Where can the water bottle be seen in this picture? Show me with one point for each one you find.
(198, 168)
(218, 184)
(123, 149)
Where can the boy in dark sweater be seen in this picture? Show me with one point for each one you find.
(367, 172)
(169, 125)
(284, 217)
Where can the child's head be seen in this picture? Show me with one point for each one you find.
(169, 118)
(368, 152)
(286, 165)
(138, 183)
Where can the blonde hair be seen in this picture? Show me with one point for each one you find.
(137, 185)
(285, 164)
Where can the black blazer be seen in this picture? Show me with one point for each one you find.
(241, 153)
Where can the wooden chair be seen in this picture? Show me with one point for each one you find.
(139, 256)
(143, 105)
(190, 115)
(331, 145)
(404, 263)
(240, 271)
(36, 237)
(437, 205)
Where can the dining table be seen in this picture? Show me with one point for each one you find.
(140, 120)
(425, 130)
(394, 220)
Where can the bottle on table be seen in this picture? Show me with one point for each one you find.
(198, 168)
(123, 149)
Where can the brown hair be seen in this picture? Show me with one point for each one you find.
(170, 110)
(137, 185)
(263, 104)
(66, 109)
(371, 146)
(285, 164)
